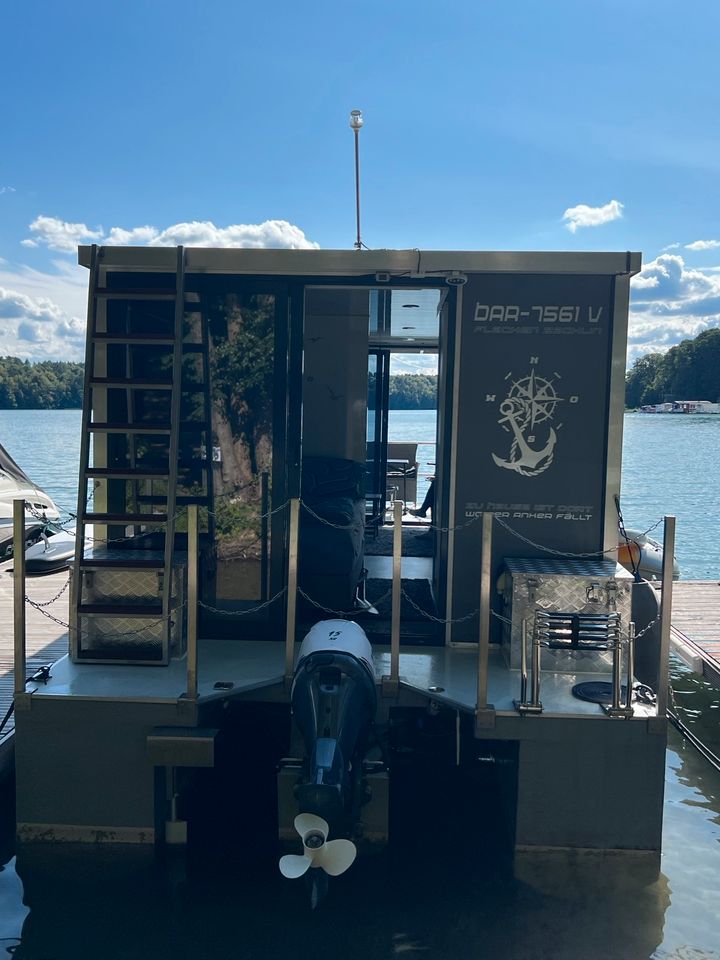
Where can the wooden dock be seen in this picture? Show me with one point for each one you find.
(46, 640)
(695, 627)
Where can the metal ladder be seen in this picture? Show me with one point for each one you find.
(152, 614)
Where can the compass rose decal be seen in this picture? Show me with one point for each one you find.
(527, 412)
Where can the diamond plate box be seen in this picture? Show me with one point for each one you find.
(594, 587)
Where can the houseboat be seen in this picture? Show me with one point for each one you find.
(236, 647)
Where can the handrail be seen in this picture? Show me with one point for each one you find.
(192, 644)
(484, 711)
(398, 508)
(19, 662)
(293, 535)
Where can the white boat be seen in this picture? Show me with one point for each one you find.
(51, 548)
(15, 484)
(40, 509)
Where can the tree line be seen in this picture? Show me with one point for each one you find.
(49, 385)
(408, 391)
(688, 371)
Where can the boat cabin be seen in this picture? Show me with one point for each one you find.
(243, 482)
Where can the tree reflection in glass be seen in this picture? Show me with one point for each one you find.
(241, 348)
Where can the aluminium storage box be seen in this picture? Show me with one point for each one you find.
(594, 587)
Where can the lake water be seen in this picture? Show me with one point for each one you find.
(670, 466)
(101, 903)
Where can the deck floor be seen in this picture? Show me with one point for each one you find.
(696, 618)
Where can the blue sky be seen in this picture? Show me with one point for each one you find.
(553, 125)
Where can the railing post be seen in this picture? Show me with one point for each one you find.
(523, 660)
(484, 711)
(617, 674)
(535, 665)
(19, 593)
(192, 612)
(665, 616)
(293, 534)
(630, 666)
(391, 684)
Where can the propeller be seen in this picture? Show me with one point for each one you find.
(333, 856)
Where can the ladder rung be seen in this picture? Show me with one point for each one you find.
(197, 425)
(179, 501)
(130, 383)
(117, 564)
(149, 519)
(111, 293)
(129, 473)
(161, 428)
(120, 609)
(161, 339)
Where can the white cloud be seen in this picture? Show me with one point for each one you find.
(41, 311)
(60, 235)
(585, 216)
(7, 190)
(64, 236)
(670, 302)
(67, 287)
(671, 286)
(703, 245)
(14, 304)
(30, 321)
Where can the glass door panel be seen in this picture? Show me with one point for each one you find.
(247, 361)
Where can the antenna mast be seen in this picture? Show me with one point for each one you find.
(356, 121)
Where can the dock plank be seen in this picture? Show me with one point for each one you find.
(47, 641)
(696, 618)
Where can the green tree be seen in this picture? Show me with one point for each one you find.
(688, 371)
(42, 386)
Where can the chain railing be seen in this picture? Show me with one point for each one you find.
(396, 593)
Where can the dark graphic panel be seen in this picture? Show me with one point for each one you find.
(532, 421)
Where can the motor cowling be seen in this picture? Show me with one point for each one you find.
(334, 701)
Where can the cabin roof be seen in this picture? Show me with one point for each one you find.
(418, 264)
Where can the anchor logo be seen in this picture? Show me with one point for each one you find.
(530, 402)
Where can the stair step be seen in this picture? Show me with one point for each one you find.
(152, 519)
(129, 473)
(159, 428)
(130, 383)
(201, 499)
(116, 564)
(198, 426)
(154, 338)
(110, 293)
(120, 609)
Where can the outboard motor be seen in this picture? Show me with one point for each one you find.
(333, 702)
